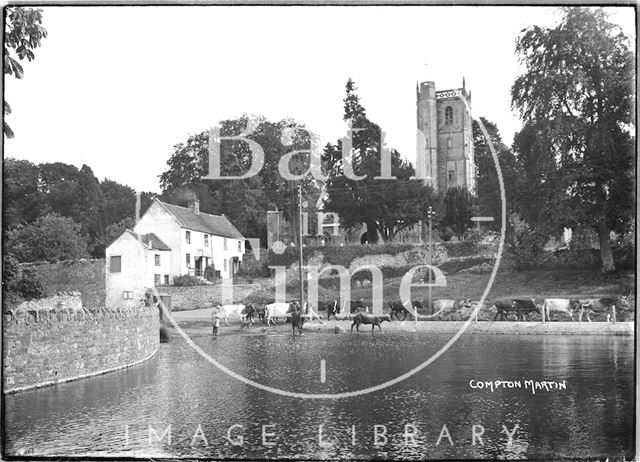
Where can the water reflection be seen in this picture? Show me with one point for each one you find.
(208, 413)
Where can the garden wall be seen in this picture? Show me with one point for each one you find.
(55, 340)
(84, 276)
(197, 297)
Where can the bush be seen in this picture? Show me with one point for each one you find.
(526, 248)
(253, 270)
(186, 280)
(10, 274)
(17, 288)
(624, 254)
(454, 266)
(29, 285)
(210, 273)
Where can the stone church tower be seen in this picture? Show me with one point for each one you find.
(445, 137)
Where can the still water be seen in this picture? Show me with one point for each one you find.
(211, 414)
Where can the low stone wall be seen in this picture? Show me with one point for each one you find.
(197, 297)
(55, 340)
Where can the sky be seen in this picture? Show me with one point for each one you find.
(117, 87)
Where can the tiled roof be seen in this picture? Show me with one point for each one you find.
(218, 225)
(151, 240)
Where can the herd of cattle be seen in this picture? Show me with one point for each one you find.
(438, 310)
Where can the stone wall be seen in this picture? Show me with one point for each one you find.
(197, 297)
(56, 339)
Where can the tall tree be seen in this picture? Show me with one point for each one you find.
(577, 95)
(21, 197)
(458, 210)
(488, 185)
(120, 201)
(386, 206)
(23, 34)
(88, 208)
(246, 201)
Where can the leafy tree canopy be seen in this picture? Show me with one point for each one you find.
(576, 98)
(387, 206)
(51, 238)
(23, 34)
(243, 201)
(488, 185)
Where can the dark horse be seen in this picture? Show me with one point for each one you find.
(397, 309)
(296, 321)
(364, 318)
(333, 308)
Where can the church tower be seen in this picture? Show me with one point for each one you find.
(427, 134)
(445, 137)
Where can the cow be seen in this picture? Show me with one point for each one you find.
(423, 304)
(522, 308)
(333, 308)
(560, 305)
(260, 311)
(441, 307)
(396, 309)
(356, 305)
(503, 307)
(249, 312)
(364, 318)
(277, 309)
(224, 311)
(603, 305)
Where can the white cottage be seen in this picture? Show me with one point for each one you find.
(135, 262)
(196, 239)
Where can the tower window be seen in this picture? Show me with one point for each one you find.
(449, 143)
(448, 115)
(452, 176)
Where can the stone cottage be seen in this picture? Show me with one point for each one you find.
(169, 241)
(196, 239)
(135, 262)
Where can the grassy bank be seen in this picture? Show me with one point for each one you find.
(507, 284)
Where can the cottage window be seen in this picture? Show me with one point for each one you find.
(127, 294)
(157, 260)
(225, 243)
(206, 240)
(240, 246)
(115, 265)
(188, 235)
(166, 279)
(156, 279)
(448, 115)
(188, 260)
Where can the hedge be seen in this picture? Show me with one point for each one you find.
(453, 266)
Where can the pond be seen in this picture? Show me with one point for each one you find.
(178, 404)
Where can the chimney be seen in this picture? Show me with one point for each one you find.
(137, 207)
(194, 205)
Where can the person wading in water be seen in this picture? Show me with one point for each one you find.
(215, 320)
